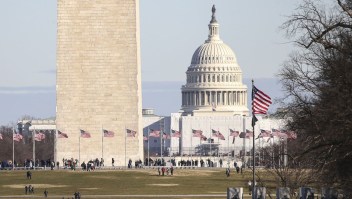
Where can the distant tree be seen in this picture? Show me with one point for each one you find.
(23, 150)
(318, 82)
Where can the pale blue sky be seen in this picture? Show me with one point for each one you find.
(170, 32)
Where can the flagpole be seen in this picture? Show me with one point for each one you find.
(33, 139)
(191, 146)
(253, 155)
(102, 142)
(13, 148)
(200, 144)
(79, 147)
(170, 131)
(55, 143)
(125, 147)
(211, 140)
(228, 144)
(161, 144)
(148, 148)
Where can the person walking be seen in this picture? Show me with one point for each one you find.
(29, 175)
(250, 187)
(228, 172)
(45, 193)
(163, 171)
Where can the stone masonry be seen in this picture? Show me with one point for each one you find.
(98, 80)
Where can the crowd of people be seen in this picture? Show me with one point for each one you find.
(165, 170)
(27, 164)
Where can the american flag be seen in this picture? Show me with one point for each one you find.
(176, 134)
(218, 134)
(245, 135)
(17, 137)
(260, 101)
(203, 138)
(242, 135)
(145, 138)
(166, 136)
(275, 132)
(282, 134)
(234, 133)
(291, 135)
(39, 136)
(264, 133)
(197, 133)
(249, 134)
(131, 133)
(61, 134)
(108, 134)
(1, 138)
(154, 133)
(84, 134)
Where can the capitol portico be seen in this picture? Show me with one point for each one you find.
(214, 79)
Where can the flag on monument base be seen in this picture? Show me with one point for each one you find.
(39, 136)
(242, 135)
(249, 134)
(275, 132)
(291, 135)
(131, 133)
(197, 133)
(234, 133)
(17, 137)
(85, 134)
(108, 134)
(203, 138)
(218, 134)
(265, 133)
(176, 134)
(154, 133)
(166, 136)
(61, 134)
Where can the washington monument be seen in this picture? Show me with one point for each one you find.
(98, 80)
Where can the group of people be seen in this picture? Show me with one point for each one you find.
(77, 195)
(166, 170)
(29, 189)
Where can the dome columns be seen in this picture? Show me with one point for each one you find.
(219, 98)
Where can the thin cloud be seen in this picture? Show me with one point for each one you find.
(27, 90)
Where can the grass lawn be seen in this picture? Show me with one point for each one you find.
(123, 182)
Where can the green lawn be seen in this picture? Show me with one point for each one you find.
(123, 182)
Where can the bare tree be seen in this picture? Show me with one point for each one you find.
(318, 82)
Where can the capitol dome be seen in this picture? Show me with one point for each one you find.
(213, 53)
(214, 78)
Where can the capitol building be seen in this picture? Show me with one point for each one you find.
(214, 79)
(214, 99)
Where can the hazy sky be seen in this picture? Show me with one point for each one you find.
(171, 30)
